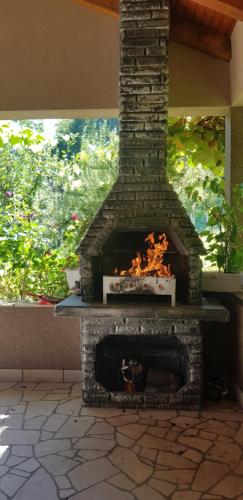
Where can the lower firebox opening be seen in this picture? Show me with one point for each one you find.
(145, 364)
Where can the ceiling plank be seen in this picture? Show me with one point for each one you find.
(231, 8)
(109, 7)
(200, 38)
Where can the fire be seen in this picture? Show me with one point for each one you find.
(151, 264)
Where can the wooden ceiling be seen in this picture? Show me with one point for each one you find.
(204, 25)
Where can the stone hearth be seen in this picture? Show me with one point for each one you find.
(183, 325)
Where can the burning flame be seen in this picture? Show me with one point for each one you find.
(152, 263)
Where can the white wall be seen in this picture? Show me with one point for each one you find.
(60, 59)
(236, 66)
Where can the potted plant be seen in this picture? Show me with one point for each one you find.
(223, 238)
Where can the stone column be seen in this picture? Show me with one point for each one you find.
(237, 151)
(236, 145)
(144, 28)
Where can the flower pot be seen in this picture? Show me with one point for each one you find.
(221, 282)
(72, 276)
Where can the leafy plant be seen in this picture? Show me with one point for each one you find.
(46, 204)
(224, 230)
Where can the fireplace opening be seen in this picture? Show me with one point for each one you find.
(121, 248)
(149, 364)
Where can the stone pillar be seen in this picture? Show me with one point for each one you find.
(236, 145)
(144, 28)
(237, 151)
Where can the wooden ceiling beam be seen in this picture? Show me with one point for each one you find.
(231, 8)
(200, 38)
(109, 7)
(185, 32)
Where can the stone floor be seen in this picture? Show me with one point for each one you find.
(51, 448)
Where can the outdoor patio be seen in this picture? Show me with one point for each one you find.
(51, 448)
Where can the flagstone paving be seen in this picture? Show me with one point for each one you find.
(52, 448)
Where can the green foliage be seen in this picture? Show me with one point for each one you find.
(71, 134)
(49, 194)
(196, 152)
(223, 231)
(45, 206)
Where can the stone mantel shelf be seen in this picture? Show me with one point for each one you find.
(209, 310)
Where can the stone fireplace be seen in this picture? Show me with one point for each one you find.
(143, 352)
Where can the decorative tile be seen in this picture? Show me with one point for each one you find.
(54, 422)
(229, 487)
(180, 476)
(185, 422)
(9, 397)
(34, 423)
(75, 427)
(3, 470)
(40, 486)
(10, 484)
(29, 465)
(186, 495)
(91, 454)
(66, 494)
(134, 431)
(208, 474)
(165, 488)
(193, 455)
(10, 436)
(22, 451)
(148, 441)
(124, 441)
(4, 453)
(174, 461)
(70, 407)
(94, 444)
(123, 419)
(37, 408)
(101, 428)
(92, 472)
(63, 482)
(52, 446)
(217, 428)
(57, 465)
(14, 421)
(122, 482)
(131, 454)
(101, 412)
(225, 452)
(14, 461)
(103, 491)
(33, 395)
(144, 492)
(195, 442)
(46, 435)
(127, 461)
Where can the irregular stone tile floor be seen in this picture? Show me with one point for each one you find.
(53, 448)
